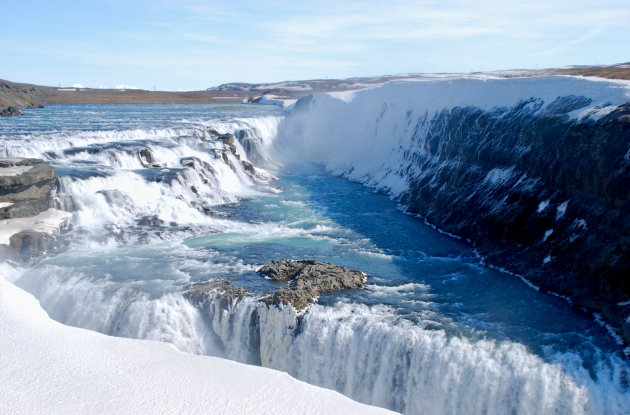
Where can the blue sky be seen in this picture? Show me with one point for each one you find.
(193, 44)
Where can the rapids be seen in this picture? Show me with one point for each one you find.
(434, 331)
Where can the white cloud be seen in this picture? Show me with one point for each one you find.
(125, 87)
(78, 86)
(570, 44)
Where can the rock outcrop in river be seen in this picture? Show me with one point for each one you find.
(28, 223)
(307, 280)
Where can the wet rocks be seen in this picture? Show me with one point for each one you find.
(27, 239)
(150, 221)
(146, 158)
(199, 292)
(307, 280)
(26, 187)
(228, 140)
(10, 111)
(28, 245)
(28, 224)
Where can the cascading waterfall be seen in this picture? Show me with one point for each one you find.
(145, 229)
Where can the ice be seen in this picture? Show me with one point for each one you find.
(543, 205)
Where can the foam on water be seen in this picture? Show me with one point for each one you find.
(434, 331)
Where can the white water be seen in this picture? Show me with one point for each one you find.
(397, 344)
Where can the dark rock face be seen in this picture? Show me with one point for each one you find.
(152, 221)
(308, 279)
(228, 140)
(26, 187)
(9, 111)
(146, 158)
(198, 292)
(537, 193)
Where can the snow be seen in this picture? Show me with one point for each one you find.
(499, 176)
(271, 100)
(14, 170)
(46, 367)
(562, 209)
(50, 221)
(543, 205)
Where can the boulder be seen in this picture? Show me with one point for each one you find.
(151, 221)
(26, 187)
(307, 280)
(146, 158)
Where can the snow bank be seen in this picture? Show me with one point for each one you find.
(46, 367)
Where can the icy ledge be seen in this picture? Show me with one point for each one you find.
(46, 367)
(50, 222)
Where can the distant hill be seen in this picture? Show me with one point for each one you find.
(28, 96)
(294, 89)
(18, 95)
(21, 95)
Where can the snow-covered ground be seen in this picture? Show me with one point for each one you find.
(46, 367)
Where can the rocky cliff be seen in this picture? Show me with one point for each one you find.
(542, 196)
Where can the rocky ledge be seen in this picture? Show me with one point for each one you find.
(198, 292)
(26, 187)
(28, 223)
(307, 280)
